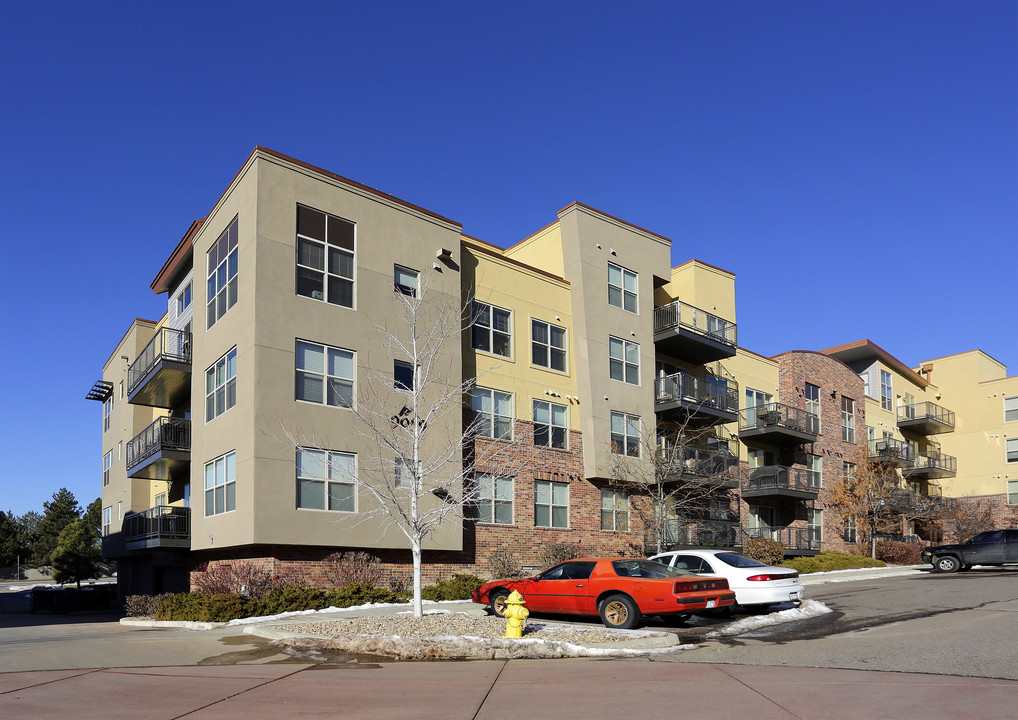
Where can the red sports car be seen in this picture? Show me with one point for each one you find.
(620, 590)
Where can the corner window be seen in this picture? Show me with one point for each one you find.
(402, 375)
(622, 286)
(107, 464)
(886, 391)
(625, 434)
(548, 345)
(551, 504)
(221, 485)
(493, 413)
(221, 386)
(614, 510)
(221, 292)
(624, 360)
(405, 280)
(551, 425)
(324, 374)
(1011, 409)
(848, 419)
(494, 499)
(326, 480)
(325, 256)
(492, 329)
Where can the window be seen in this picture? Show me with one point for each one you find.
(755, 399)
(120, 450)
(325, 257)
(1011, 409)
(614, 510)
(494, 499)
(886, 391)
(719, 510)
(405, 280)
(865, 383)
(107, 464)
(848, 419)
(184, 300)
(492, 330)
(221, 484)
(551, 504)
(120, 510)
(404, 476)
(1012, 450)
(221, 290)
(324, 374)
(908, 406)
(493, 413)
(622, 288)
(548, 345)
(848, 471)
(851, 530)
(814, 470)
(813, 403)
(121, 389)
(1012, 492)
(871, 433)
(326, 480)
(107, 520)
(625, 434)
(624, 360)
(402, 375)
(815, 526)
(221, 386)
(160, 499)
(107, 411)
(550, 425)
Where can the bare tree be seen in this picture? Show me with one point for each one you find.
(969, 516)
(418, 478)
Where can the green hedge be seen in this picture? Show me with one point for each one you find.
(829, 560)
(458, 587)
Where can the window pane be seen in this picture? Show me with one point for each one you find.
(484, 511)
(558, 360)
(311, 254)
(340, 292)
(560, 517)
(632, 374)
(542, 516)
(540, 355)
(309, 387)
(231, 497)
(500, 320)
(210, 505)
(541, 413)
(539, 332)
(558, 414)
(341, 497)
(503, 403)
(341, 363)
(559, 493)
(341, 232)
(481, 338)
(220, 498)
(615, 371)
(558, 438)
(503, 429)
(632, 353)
(615, 348)
(615, 275)
(503, 489)
(500, 344)
(340, 393)
(311, 494)
(614, 296)
(542, 434)
(618, 422)
(630, 281)
(310, 283)
(311, 223)
(630, 302)
(504, 513)
(341, 467)
(558, 337)
(542, 492)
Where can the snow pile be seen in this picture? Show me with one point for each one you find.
(808, 609)
(367, 606)
(832, 576)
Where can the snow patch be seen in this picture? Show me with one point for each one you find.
(808, 609)
(367, 606)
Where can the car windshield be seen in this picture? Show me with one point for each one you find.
(646, 569)
(739, 561)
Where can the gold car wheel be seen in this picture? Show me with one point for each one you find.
(498, 605)
(616, 612)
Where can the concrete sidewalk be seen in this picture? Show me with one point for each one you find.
(533, 689)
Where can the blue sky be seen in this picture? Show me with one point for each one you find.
(854, 163)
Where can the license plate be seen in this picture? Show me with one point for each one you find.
(711, 603)
(793, 596)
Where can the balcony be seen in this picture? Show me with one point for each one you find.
(778, 424)
(795, 540)
(161, 375)
(160, 451)
(925, 418)
(698, 401)
(160, 528)
(781, 481)
(692, 334)
(931, 464)
(715, 469)
(697, 533)
(889, 450)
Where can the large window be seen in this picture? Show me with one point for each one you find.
(494, 499)
(492, 330)
(221, 291)
(405, 280)
(551, 425)
(107, 464)
(614, 509)
(815, 525)
(622, 285)
(221, 386)
(814, 470)
(325, 256)
(551, 504)
(493, 413)
(221, 484)
(624, 360)
(548, 345)
(324, 374)
(1011, 409)
(886, 391)
(1012, 450)
(813, 402)
(107, 411)
(848, 419)
(326, 480)
(625, 434)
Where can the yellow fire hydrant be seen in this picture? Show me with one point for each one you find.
(515, 615)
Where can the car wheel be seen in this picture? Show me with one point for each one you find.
(497, 600)
(619, 611)
(947, 563)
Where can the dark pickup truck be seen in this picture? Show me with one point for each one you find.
(993, 547)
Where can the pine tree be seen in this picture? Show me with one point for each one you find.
(77, 554)
(58, 513)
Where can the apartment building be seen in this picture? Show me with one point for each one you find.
(229, 434)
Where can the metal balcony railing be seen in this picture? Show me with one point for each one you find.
(778, 415)
(702, 462)
(697, 533)
(710, 392)
(890, 450)
(679, 314)
(166, 344)
(161, 523)
(933, 461)
(782, 477)
(166, 433)
(791, 538)
(925, 412)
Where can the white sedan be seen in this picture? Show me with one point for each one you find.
(753, 582)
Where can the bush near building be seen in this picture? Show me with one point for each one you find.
(767, 551)
(829, 560)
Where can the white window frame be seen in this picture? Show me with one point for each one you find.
(614, 510)
(620, 356)
(886, 391)
(221, 474)
(333, 384)
(107, 464)
(494, 492)
(160, 499)
(221, 394)
(1012, 492)
(406, 280)
(851, 530)
(848, 419)
(184, 299)
(402, 368)
(486, 422)
(332, 246)
(815, 524)
(326, 460)
(222, 261)
(107, 412)
(622, 292)
(107, 520)
(813, 401)
(815, 470)
(548, 346)
(551, 425)
(1011, 450)
(120, 510)
(908, 406)
(483, 332)
(626, 433)
(1012, 411)
(552, 488)
(402, 476)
